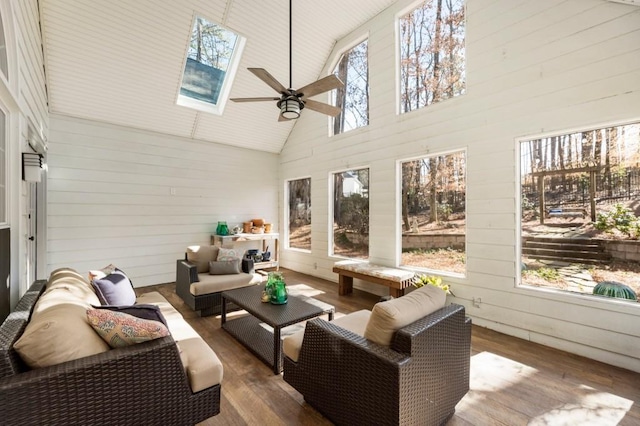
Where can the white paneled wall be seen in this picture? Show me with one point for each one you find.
(138, 199)
(532, 67)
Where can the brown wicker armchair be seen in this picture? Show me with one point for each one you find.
(419, 379)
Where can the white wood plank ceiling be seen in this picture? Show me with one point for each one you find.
(121, 61)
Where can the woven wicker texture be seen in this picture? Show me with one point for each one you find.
(143, 384)
(266, 344)
(205, 304)
(418, 380)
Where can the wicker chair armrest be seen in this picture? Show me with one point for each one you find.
(322, 335)
(125, 385)
(248, 265)
(186, 274)
(436, 325)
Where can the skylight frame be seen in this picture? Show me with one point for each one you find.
(230, 73)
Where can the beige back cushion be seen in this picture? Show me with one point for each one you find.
(388, 317)
(201, 256)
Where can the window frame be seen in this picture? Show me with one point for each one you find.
(287, 230)
(549, 293)
(398, 57)
(4, 147)
(331, 207)
(230, 74)
(399, 230)
(353, 43)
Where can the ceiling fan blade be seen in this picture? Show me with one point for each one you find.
(254, 99)
(321, 107)
(264, 75)
(325, 84)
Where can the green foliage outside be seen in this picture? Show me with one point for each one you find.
(620, 218)
(354, 214)
(548, 274)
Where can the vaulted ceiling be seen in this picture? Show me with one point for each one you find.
(121, 61)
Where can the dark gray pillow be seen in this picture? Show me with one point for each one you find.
(224, 267)
(143, 311)
(115, 289)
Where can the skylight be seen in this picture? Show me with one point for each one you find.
(211, 64)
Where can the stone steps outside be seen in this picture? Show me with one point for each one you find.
(565, 249)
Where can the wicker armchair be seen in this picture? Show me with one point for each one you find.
(419, 379)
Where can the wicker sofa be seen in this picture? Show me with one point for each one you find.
(417, 379)
(199, 288)
(169, 380)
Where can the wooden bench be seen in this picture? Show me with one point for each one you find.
(396, 279)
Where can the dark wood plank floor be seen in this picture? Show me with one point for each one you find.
(513, 382)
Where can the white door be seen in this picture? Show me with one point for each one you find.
(32, 231)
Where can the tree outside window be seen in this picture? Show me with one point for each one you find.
(433, 212)
(351, 213)
(580, 209)
(299, 195)
(432, 53)
(353, 98)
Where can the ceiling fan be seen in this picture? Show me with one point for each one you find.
(292, 101)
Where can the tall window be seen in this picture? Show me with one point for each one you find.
(212, 60)
(580, 220)
(299, 194)
(432, 53)
(3, 167)
(434, 192)
(4, 64)
(353, 98)
(351, 213)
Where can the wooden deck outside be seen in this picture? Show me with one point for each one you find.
(513, 381)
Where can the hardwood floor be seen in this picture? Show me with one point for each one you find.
(513, 382)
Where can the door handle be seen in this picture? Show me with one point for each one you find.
(31, 238)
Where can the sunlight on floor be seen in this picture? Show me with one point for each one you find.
(303, 289)
(559, 401)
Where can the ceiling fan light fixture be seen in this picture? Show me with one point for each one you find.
(290, 108)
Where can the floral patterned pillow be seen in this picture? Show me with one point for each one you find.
(228, 254)
(119, 329)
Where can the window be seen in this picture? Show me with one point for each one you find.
(433, 212)
(580, 223)
(351, 213)
(4, 65)
(432, 53)
(299, 195)
(353, 98)
(3, 168)
(212, 60)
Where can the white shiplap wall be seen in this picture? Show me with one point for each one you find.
(110, 196)
(532, 67)
(28, 92)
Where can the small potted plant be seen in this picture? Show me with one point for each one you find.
(420, 280)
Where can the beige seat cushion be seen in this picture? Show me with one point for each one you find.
(201, 256)
(388, 317)
(215, 283)
(202, 365)
(355, 322)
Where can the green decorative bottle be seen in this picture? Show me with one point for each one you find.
(222, 228)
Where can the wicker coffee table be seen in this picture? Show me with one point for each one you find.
(250, 330)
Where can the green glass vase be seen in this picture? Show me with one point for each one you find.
(277, 288)
(222, 228)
